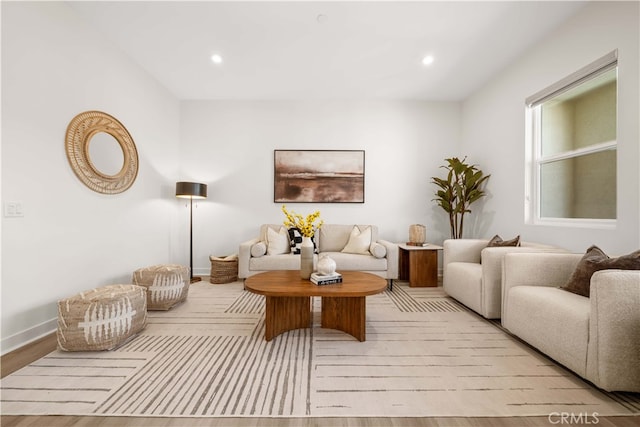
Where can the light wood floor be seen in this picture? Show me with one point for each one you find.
(15, 360)
(66, 421)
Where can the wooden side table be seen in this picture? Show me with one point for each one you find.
(419, 264)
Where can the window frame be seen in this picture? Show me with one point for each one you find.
(533, 146)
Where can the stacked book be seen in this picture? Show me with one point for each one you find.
(326, 279)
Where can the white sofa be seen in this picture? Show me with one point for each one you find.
(472, 272)
(382, 258)
(597, 337)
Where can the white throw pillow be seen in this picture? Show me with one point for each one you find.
(359, 241)
(278, 243)
(378, 251)
(258, 249)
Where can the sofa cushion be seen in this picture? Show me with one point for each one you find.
(278, 242)
(497, 241)
(463, 281)
(359, 241)
(355, 262)
(552, 320)
(594, 260)
(275, 262)
(334, 237)
(614, 335)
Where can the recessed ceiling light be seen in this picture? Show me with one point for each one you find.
(428, 60)
(216, 59)
(322, 19)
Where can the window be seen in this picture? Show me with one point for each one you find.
(571, 164)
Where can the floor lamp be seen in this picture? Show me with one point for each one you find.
(191, 190)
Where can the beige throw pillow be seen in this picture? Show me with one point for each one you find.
(359, 241)
(278, 243)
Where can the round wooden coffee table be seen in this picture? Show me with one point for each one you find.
(288, 301)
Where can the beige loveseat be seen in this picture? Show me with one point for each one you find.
(597, 337)
(472, 272)
(381, 257)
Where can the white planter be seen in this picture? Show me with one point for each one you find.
(306, 258)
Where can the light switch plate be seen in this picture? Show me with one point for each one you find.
(13, 209)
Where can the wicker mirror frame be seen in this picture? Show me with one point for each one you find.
(81, 129)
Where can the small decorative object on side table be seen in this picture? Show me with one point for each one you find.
(417, 235)
(419, 264)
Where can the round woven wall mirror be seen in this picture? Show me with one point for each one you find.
(101, 152)
(105, 154)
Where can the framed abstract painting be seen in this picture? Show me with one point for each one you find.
(318, 176)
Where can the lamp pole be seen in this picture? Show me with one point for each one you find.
(193, 279)
(191, 190)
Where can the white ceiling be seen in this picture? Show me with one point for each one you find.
(362, 50)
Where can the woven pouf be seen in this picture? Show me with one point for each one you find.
(167, 285)
(102, 318)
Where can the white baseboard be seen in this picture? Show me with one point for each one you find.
(201, 271)
(23, 338)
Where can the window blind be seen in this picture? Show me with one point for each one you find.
(597, 67)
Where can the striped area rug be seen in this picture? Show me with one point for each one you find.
(425, 355)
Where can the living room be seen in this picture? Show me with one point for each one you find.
(56, 64)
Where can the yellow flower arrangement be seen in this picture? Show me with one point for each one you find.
(305, 225)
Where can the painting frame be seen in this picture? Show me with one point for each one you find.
(318, 176)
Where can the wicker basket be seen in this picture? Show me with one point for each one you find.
(101, 319)
(224, 269)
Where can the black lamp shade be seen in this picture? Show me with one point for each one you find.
(191, 190)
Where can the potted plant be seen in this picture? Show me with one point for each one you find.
(462, 186)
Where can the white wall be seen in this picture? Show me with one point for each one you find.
(229, 145)
(71, 238)
(494, 127)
